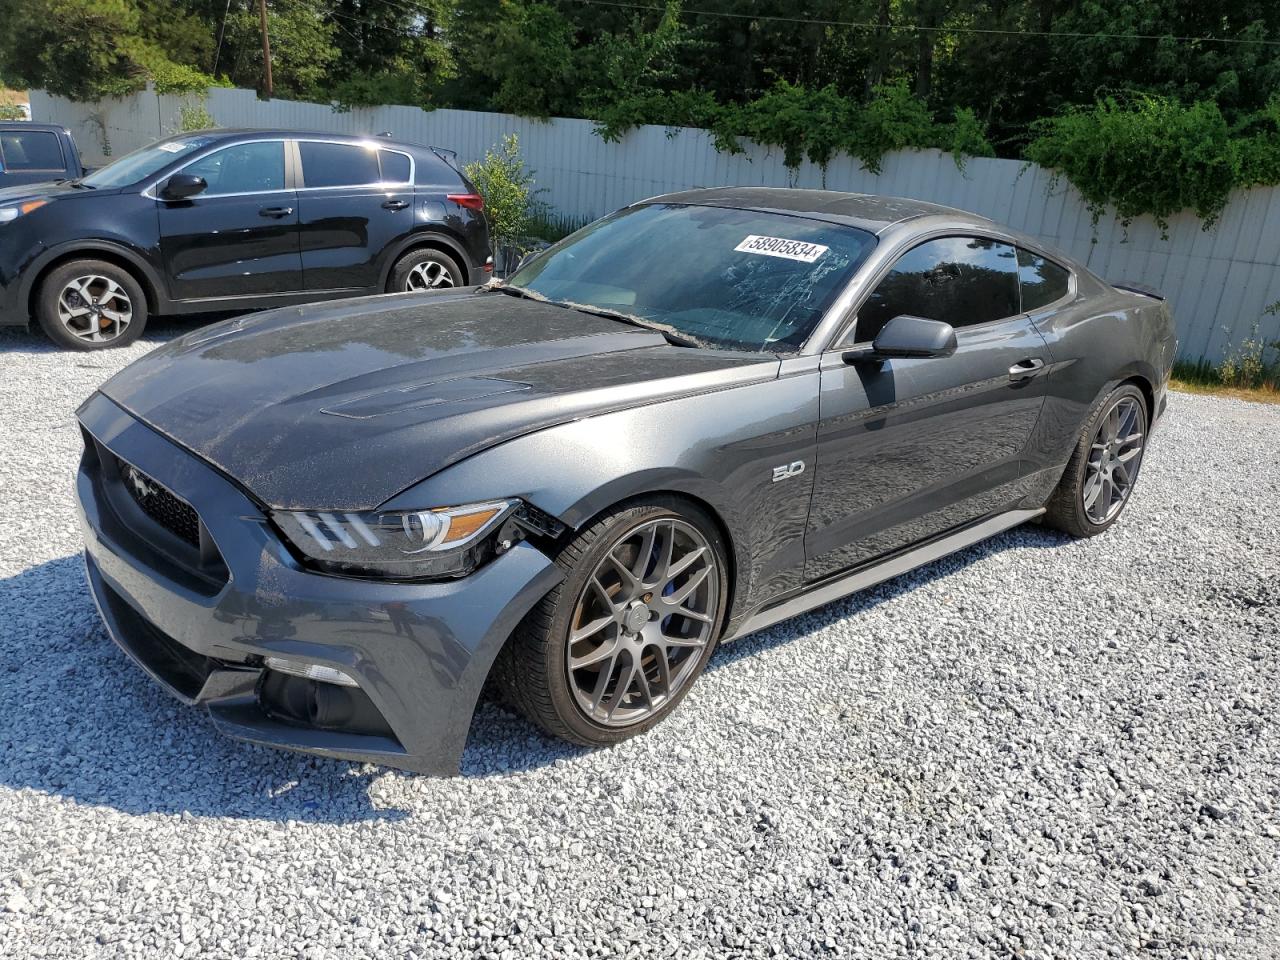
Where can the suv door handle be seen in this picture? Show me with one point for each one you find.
(275, 213)
(395, 204)
(1026, 369)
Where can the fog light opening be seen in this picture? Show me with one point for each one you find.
(311, 671)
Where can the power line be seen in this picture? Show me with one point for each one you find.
(917, 28)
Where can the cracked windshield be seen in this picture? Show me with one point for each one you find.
(733, 279)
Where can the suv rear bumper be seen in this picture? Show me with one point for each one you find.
(419, 652)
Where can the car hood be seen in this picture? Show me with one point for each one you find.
(22, 192)
(343, 406)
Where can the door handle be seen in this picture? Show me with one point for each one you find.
(275, 213)
(395, 204)
(1026, 369)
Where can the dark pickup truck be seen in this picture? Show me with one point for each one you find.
(36, 153)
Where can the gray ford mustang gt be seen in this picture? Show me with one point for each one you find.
(708, 412)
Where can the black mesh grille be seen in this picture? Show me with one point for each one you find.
(160, 505)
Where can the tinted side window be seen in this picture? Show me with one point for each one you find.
(1043, 281)
(959, 280)
(395, 167)
(243, 168)
(338, 164)
(36, 150)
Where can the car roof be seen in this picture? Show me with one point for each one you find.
(28, 125)
(249, 133)
(865, 211)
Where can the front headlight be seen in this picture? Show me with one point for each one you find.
(403, 545)
(20, 209)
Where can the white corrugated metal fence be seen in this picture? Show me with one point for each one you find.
(1219, 281)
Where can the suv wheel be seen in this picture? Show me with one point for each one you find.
(424, 270)
(91, 305)
(617, 644)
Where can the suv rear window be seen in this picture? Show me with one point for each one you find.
(30, 150)
(339, 164)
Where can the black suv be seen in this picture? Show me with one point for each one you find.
(227, 220)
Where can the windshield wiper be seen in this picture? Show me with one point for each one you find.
(501, 286)
(674, 337)
(78, 184)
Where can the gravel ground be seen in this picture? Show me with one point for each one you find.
(1037, 748)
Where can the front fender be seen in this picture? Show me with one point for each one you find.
(719, 448)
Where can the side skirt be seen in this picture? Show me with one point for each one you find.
(895, 566)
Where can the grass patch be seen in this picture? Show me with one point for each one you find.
(553, 227)
(1203, 377)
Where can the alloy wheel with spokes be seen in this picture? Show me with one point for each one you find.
(1103, 468)
(91, 305)
(94, 308)
(428, 275)
(615, 646)
(642, 622)
(1114, 458)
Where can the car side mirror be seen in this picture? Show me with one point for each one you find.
(906, 337)
(183, 186)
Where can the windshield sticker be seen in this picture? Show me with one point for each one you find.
(179, 146)
(778, 247)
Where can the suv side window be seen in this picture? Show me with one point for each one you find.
(395, 166)
(338, 164)
(241, 168)
(960, 280)
(30, 150)
(1043, 281)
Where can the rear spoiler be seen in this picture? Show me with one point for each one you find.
(1139, 288)
(448, 156)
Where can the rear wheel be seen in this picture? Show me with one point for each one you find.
(1104, 466)
(424, 269)
(91, 305)
(615, 647)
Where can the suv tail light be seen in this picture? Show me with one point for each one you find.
(472, 201)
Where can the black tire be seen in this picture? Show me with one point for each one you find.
(107, 291)
(1066, 509)
(425, 269)
(532, 672)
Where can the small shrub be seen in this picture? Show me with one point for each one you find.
(195, 116)
(1251, 365)
(511, 201)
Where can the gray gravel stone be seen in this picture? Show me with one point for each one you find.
(1015, 751)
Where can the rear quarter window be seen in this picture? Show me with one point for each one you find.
(1042, 281)
(395, 167)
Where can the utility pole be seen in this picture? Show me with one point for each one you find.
(266, 46)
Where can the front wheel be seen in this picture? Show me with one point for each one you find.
(1103, 468)
(91, 305)
(616, 646)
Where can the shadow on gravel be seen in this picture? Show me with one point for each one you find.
(80, 721)
(503, 742)
(159, 330)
